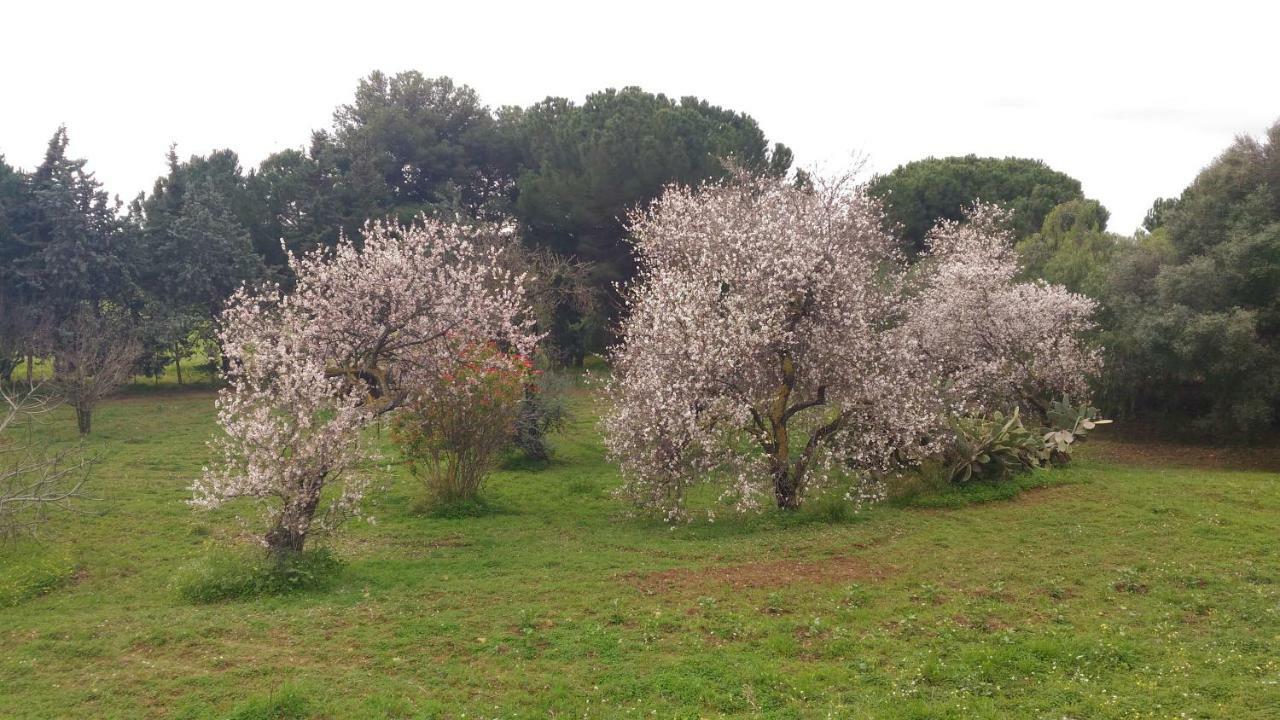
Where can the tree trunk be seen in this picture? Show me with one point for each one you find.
(84, 419)
(283, 542)
(786, 489)
(289, 535)
(177, 360)
(30, 366)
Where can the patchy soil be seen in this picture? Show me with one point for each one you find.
(760, 575)
(1155, 453)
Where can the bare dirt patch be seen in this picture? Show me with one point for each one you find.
(1160, 453)
(761, 575)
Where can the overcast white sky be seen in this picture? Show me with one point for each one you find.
(1131, 98)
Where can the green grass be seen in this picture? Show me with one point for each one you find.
(1098, 591)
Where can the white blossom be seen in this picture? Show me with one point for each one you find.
(763, 345)
(363, 327)
(996, 342)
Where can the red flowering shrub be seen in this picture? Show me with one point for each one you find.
(452, 432)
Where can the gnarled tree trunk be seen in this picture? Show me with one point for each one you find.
(775, 438)
(289, 534)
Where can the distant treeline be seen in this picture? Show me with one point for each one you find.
(1191, 305)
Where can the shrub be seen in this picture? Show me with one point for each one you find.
(453, 432)
(1069, 424)
(991, 448)
(995, 447)
(542, 411)
(240, 575)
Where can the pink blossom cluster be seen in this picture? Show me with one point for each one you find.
(776, 339)
(996, 342)
(761, 346)
(364, 327)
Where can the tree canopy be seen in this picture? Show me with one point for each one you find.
(1195, 305)
(1072, 248)
(1188, 307)
(584, 167)
(920, 193)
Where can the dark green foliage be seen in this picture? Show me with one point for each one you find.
(566, 305)
(241, 575)
(409, 144)
(200, 254)
(1072, 247)
(13, 335)
(65, 240)
(582, 168)
(12, 200)
(1193, 308)
(192, 249)
(585, 166)
(294, 203)
(1156, 215)
(62, 246)
(920, 193)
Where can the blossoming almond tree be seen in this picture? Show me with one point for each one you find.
(996, 342)
(762, 345)
(363, 327)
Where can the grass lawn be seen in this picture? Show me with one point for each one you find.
(1112, 590)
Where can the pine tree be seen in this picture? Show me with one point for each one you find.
(69, 236)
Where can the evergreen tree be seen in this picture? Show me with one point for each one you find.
(409, 144)
(921, 193)
(583, 168)
(294, 203)
(69, 236)
(1073, 247)
(193, 251)
(1194, 327)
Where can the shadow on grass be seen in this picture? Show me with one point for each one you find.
(477, 507)
(932, 493)
(226, 574)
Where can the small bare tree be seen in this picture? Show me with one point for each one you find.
(33, 478)
(22, 327)
(565, 303)
(94, 354)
